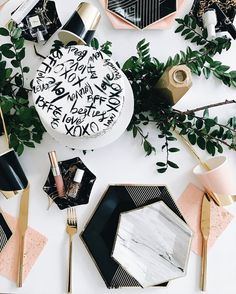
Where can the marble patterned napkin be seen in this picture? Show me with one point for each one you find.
(189, 204)
(34, 244)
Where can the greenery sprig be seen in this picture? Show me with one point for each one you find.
(201, 61)
(22, 121)
(143, 71)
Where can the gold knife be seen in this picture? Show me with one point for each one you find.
(23, 224)
(205, 230)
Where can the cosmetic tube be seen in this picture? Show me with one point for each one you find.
(57, 174)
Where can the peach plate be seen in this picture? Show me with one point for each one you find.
(34, 244)
(189, 204)
(165, 23)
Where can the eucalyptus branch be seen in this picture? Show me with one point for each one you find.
(226, 102)
(204, 119)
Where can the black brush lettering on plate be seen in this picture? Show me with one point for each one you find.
(93, 102)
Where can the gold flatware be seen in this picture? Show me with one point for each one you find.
(71, 230)
(23, 224)
(205, 230)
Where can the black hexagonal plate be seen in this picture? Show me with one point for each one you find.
(68, 169)
(142, 13)
(100, 231)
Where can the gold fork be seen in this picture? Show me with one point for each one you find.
(71, 230)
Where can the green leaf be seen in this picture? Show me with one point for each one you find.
(140, 43)
(24, 135)
(160, 163)
(194, 23)
(192, 138)
(8, 72)
(21, 54)
(171, 139)
(179, 20)
(209, 123)
(162, 170)
(173, 149)
(187, 19)
(19, 43)
(206, 113)
(223, 68)
(26, 69)
(185, 32)
(15, 63)
(206, 72)
(210, 147)
(16, 33)
(199, 123)
(8, 53)
(233, 74)
(23, 101)
(94, 43)
(179, 29)
(219, 148)
(11, 25)
(20, 149)
(18, 80)
(6, 47)
(13, 141)
(172, 164)
(6, 105)
(189, 36)
(29, 144)
(201, 143)
(4, 32)
(147, 147)
(135, 131)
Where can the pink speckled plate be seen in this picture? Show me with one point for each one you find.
(34, 244)
(189, 204)
(165, 23)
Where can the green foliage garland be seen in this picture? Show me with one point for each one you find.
(23, 124)
(143, 71)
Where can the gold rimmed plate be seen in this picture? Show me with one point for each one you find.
(99, 233)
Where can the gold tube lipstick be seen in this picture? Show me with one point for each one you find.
(57, 173)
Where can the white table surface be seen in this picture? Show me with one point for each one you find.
(121, 162)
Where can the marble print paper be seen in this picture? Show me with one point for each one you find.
(189, 204)
(152, 244)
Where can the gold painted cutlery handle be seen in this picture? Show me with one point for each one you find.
(69, 289)
(20, 263)
(204, 265)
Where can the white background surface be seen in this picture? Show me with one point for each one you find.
(121, 162)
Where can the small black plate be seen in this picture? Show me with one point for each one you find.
(99, 233)
(68, 169)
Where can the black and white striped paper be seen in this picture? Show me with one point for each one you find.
(5, 232)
